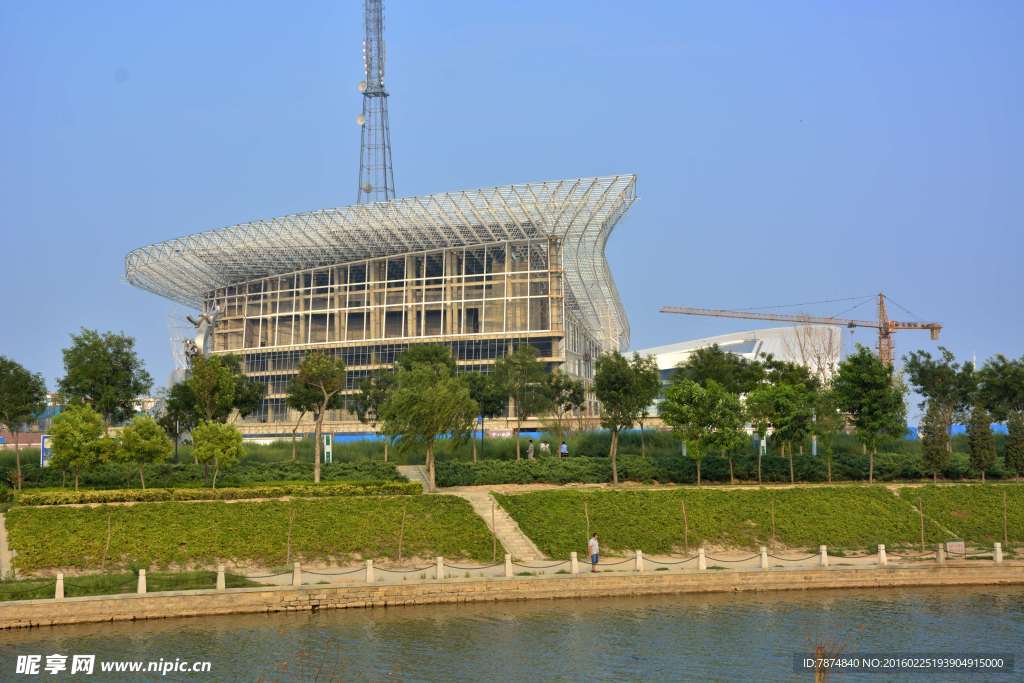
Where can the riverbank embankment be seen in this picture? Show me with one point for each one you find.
(28, 613)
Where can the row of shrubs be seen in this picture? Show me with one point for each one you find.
(681, 470)
(69, 497)
(168, 475)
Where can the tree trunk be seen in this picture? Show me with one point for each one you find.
(472, 437)
(828, 465)
(982, 476)
(935, 477)
(614, 450)
(17, 460)
(732, 476)
(142, 477)
(387, 443)
(643, 445)
(792, 478)
(698, 471)
(216, 469)
(759, 444)
(316, 450)
(295, 429)
(76, 481)
(517, 441)
(871, 467)
(430, 465)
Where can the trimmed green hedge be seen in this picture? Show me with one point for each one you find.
(680, 470)
(840, 517)
(170, 475)
(69, 497)
(201, 534)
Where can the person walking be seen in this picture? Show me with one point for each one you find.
(545, 448)
(529, 450)
(595, 552)
(563, 450)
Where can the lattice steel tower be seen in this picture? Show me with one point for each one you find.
(376, 181)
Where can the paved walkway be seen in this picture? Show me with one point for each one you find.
(501, 524)
(416, 473)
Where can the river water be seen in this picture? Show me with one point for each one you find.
(744, 636)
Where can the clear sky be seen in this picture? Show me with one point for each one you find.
(786, 152)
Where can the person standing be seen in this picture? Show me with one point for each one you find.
(563, 450)
(595, 552)
(545, 448)
(529, 450)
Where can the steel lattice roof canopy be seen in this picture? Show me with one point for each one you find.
(581, 212)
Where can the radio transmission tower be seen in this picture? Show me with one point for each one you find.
(376, 182)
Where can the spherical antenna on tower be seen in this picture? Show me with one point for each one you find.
(361, 120)
(367, 187)
(362, 86)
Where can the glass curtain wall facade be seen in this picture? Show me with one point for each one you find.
(481, 301)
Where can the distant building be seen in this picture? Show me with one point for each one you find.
(818, 347)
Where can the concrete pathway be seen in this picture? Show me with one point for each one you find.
(416, 473)
(504, 527)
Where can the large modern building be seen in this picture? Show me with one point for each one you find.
(480, 271)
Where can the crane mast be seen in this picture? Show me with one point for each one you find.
(376, 180)
(883, 324)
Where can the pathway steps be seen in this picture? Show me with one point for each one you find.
(417, 473)
(504, 527)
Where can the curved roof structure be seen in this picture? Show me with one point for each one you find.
(581, 212)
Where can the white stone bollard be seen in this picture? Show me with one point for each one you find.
(439, 571)
(296, 574)
(508, 566)
(764, 557)
(58, 590)
(702, 560)
(221, 584)
(639, 560)
(823, 555)
(999, 553)
(574, 563)
(940, 553)
(882, 559)
(370, 577)
(142, 582)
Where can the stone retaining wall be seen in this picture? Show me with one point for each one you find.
(28, 613)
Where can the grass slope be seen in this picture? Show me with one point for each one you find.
(973, 512)
(850, 517)
(202, 533)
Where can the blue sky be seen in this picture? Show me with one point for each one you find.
(786, 152)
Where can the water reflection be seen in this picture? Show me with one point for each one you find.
(701, 637)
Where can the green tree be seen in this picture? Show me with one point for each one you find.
(489, 395)
(621, 403)
(76, 433)
(787, 410)
(1001, 390)
(249, 395)
(303, 399)
(104, 372)
(760, 406)
(935, 439)
(178, 415)
(425, 354)
(526, 380)
(373, 392)
(144, 442)
(325, 375)
(867, 391)
(426, 402)
(217, 443)
(981, 444)
(647, 385)
(708, 418)
(566, 394)
(734, 373)
(947, 387)
(213, 382)
(22, 397)
(1014, 449)
(828, 422)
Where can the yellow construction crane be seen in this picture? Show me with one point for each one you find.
(884, 325)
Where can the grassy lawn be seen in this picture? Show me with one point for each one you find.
(973, 512)
(850, 517)
(203, 533)
(112, 584)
